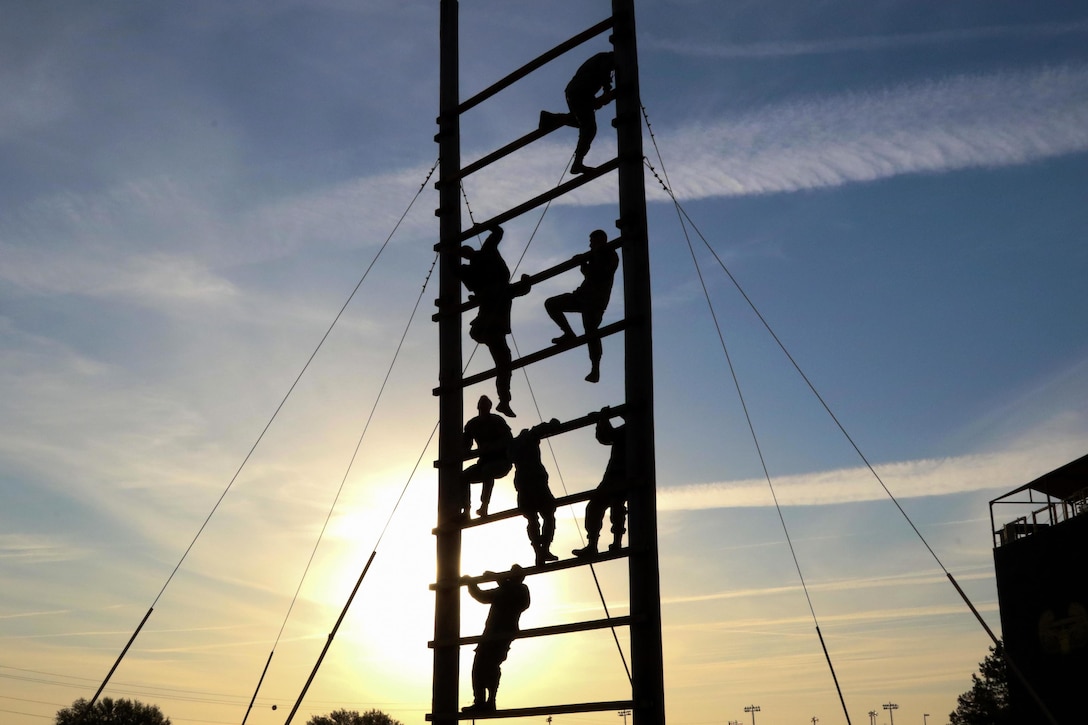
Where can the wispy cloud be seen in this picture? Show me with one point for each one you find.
(999, 471)
(945, 125)
(939, 126)
(763, 623)
(153, 279)
(27, 548)
(25, 615)
(31, 97)
(160, 242)
(779, 49)
(907, 580)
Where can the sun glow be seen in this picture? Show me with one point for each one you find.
(384, 639)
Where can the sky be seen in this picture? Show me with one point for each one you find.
(190, 193)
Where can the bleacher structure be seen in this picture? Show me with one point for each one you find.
(643, 621)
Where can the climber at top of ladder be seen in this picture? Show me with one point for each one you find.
(593, 75)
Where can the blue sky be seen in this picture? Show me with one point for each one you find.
(190, 191)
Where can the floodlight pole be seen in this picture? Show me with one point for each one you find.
(891, 707)
(752, 709)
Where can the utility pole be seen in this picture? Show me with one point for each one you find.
(891, 707)
(752, 709)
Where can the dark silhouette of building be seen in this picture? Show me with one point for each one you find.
(1041, 563)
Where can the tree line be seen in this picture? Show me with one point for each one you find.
(985, 703)
(108, 711)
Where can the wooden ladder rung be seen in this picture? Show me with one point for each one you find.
(535, 711)
(539, 355)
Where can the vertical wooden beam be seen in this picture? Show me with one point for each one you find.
(647, 677)
(447, 609)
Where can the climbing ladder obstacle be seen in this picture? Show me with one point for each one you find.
(646, 701)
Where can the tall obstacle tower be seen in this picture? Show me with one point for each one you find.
(646, 701)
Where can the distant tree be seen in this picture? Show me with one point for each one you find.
(111, 712)
(987, 702)
(353, 717)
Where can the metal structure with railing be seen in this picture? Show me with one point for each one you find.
(1040, 553)
(1047, 501)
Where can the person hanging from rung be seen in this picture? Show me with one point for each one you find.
(487, 277)
(508, 600)
(535, 499)
(593, 76)
(590, 299)
(611, 492)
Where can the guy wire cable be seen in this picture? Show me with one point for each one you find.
(351, 597)
(260, 437)
(747, 415)
(963, 595)
(955, 585)
(359, 582)
(952, 580)
(666, 186)
(343, 482)
(370, 560)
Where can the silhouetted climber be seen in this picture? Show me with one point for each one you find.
(582, 100)
(488, 278)
(590, 298)
(508, 600)
(611, 493)
(492, 437)
(535, 499)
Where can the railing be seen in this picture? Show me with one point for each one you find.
(1042, 515)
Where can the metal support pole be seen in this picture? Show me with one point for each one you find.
(647, 680)
(447, 610)
(329, 639)
(121, 656)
